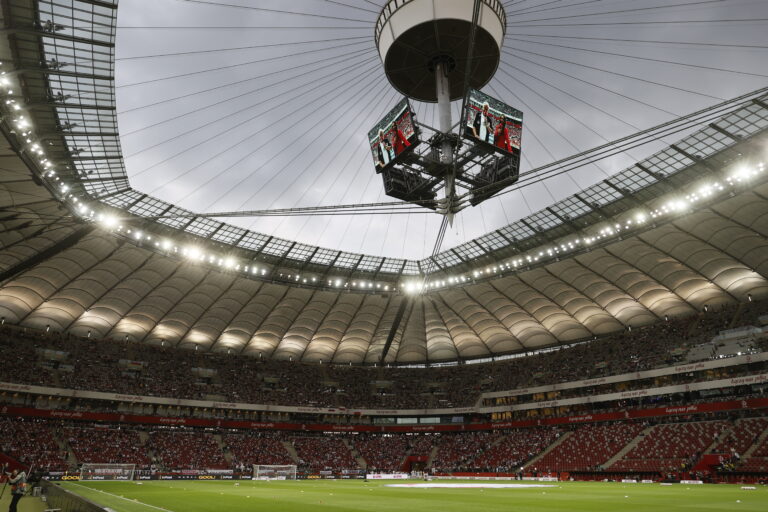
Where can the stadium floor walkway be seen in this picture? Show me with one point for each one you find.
(26, 504)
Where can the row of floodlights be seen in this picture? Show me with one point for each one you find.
(111, 222)
(741, 174)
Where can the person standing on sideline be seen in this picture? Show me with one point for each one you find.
(18, 481)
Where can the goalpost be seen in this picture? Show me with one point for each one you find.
(90, 471)
(272, 472)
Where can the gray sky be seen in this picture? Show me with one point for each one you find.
(285, 124)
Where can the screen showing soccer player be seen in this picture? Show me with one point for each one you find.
(492, 122)
(393, 136)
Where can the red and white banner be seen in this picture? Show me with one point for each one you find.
(751, 403)
(625, 377)
(638, 393)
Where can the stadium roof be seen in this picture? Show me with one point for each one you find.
(682, 229)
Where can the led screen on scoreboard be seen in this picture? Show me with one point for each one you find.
(393, 136)
(493, 123)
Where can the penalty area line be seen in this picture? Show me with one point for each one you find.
(122, 497)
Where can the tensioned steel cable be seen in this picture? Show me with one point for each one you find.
(684, 124)
(559, 167)
(555, 130)
(652, 82)
(361, 97)
(676, 125)
(274, 11)
(199, 108)
(564, 111)
(630, 98)
(312, 210)
(647, 41)
(621, 11)
(352, 6)
(557, 172)
(649, 59)
(383, 98)
(231, 66)
(333, 77)
(347, 66)
(365, 157)
(528, 10)
(240, 27)
(572, 96)
(624, 23)
(509, 4)
(543, 146)
(237, 48)
(432, 263)
(225, 85)
(365, 74)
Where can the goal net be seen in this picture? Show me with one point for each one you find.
(271, 472)
(90, 471)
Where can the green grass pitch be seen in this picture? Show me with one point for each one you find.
(356, 495)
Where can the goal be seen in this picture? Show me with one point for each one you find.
(90, 471)
(271, 472)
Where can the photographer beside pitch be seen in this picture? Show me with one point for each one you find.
(18, 481)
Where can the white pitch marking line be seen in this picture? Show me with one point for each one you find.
(123, 498)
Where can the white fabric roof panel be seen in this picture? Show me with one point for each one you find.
(113, 288)
(356, 340)
(73, 300)
(294, 344)
(413, 345)
(326, 339)
(609, 297)
(440, 346)
(112, 307)
(267, 337)
(577, 305)
(206, 329)
(145, 316)
(640, 286)
(376, 348)
(77, 278)
(120, 290)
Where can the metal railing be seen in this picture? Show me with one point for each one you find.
(59, 498)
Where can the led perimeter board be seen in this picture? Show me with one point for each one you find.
(394, 136)
(493, 123)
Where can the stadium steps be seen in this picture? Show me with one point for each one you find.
(64, 446)
(694, 323)
(491, 446)
(291, 451)
(548, 449)
(736, 316)
(144, 440)
(755, 445)
(355, 454)
(723, 435)
(223, 448)
(621, 453)
(432, 455)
